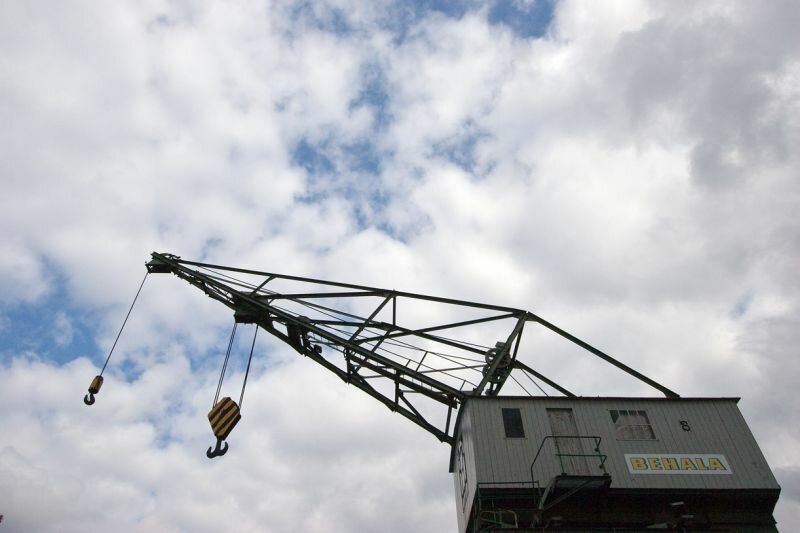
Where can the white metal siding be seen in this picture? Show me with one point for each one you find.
(464, 503)
(717, 426)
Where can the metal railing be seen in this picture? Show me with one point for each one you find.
(595, 439)
(487, 515)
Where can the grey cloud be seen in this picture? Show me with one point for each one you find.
(789, 479)
(717, 66)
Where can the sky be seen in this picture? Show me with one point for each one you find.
(623, 169)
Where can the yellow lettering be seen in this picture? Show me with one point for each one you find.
(670, 463)
(687, 464)
(715, 464)
(655, 463)
(638, 463)
(700, 464)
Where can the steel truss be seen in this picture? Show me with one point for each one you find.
(372, 338)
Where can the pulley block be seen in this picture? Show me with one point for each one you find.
(223, 417)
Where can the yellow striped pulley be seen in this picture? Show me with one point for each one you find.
(223, 417)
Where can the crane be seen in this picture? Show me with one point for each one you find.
(404, 349)
(517, 462)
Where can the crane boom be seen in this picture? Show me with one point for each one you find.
(398, 347)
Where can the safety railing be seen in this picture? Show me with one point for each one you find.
(597, 454)
(487, 515)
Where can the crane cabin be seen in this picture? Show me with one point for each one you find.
(621, 464)
(555, 462)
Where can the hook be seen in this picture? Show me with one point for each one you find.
(94, 388)
(219, 450)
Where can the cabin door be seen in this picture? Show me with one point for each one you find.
(564, 429)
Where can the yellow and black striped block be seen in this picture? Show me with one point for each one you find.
(223, 417)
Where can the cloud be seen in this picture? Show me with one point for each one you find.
(62, 334)
(790, 482)
(22, 273)
(135, 461)
(626, 172)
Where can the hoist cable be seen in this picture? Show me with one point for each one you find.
(123, 323)
(399, 343)
(335, 313)
(520, 384)
(247, 372)
(535, 383)
(224, 365)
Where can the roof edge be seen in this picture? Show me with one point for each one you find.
(599, 398)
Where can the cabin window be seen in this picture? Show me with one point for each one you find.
(512, 423)
(632, 425)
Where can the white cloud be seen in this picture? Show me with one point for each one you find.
(631, 177)
(135, 460)
(62, 329)
(22, 273)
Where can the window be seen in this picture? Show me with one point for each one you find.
(461, 462)
(632, 425)
(512, 422)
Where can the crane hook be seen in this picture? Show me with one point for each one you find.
(218, 450)
(94, 388)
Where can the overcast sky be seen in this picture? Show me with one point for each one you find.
(627, 170)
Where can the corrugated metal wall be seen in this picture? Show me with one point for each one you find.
(464, 470)
(716, 425)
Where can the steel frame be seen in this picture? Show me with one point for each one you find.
(362, 340)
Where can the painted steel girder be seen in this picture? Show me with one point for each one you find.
(362, 340)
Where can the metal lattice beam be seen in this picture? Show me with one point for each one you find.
(423, 371)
